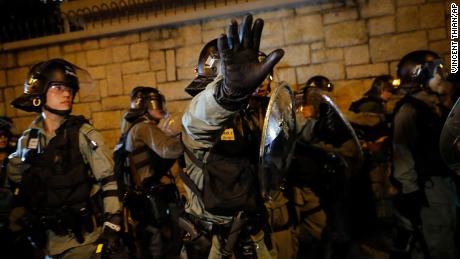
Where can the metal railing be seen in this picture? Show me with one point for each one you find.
(116, 11)
(123, 15)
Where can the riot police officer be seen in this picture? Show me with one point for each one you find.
(371, 119)
(426, 201)
(327, 156)
(152, 196)
(64, 168)
(222, 149)
(375, 98)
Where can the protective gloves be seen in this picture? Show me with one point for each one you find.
(241, 68)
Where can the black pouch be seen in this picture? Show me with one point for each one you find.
(133, 200)
(96, 207)
(86, 220)
(159, 200)
(34, 230)
(229, 185)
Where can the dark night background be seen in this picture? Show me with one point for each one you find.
(22, 19)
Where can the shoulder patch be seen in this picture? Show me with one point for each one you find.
(87, 129)
(91, 136)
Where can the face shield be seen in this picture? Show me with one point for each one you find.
(87, 85)
(156, 102)
(211, 66)
(438, 82)
(53, 72)
(440, 69)
(207, 69)
(320, 82)
(329, 87)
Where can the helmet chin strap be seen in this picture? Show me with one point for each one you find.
(58, 112)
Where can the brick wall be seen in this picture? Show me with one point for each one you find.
(349, 44)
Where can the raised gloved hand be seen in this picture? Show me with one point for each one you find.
(241, 68)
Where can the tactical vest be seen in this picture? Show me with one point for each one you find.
(425, 152)
(149, 201)
(145, 156)
(230, 170)
(58, 177)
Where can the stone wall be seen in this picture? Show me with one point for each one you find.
(349, 43)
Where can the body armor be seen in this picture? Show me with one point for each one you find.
(57, 186)
(149, 200)
(58, 176)
(230, 169)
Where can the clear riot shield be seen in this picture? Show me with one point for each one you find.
(277, 142)
(449, 142)
(332, 132)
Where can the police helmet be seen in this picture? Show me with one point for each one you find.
(145, 98)
(40, 77)
(382, 83)
(207, 68)
(417, 68)
(320, 82)
(265, 88)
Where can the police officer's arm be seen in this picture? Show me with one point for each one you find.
(99, 158)
(204, 118)
(162, 144)
(16, 167)
(403, 141)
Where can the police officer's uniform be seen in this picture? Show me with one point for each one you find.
(152, 154)
(95, 154)
(67, 182)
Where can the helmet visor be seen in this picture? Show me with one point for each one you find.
(156, 102)
(440, 69)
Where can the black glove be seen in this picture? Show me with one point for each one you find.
(410, 205)
(241, 68)
(111, 234)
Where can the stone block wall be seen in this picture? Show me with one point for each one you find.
(350, 44)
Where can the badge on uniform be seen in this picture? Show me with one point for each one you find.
(33, 143)
(228, 135)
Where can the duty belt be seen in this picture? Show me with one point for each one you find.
(64, 222)
(209, 227)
